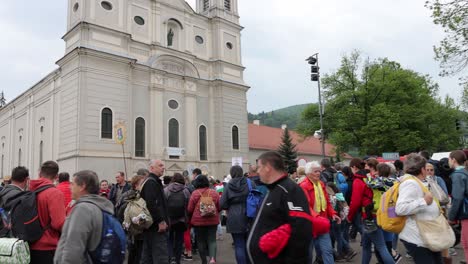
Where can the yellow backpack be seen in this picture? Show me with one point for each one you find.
(387, 218)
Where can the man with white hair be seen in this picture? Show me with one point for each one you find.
(320, 209)
(155, 237)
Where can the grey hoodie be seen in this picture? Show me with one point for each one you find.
(82, 230)
(8, 192)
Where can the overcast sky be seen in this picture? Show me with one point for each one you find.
(277, 38)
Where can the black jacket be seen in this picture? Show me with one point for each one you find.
(6, 193)
(113, 192)
(285, 203)
(153, 194)
(234, 200)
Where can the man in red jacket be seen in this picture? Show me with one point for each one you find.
(64, 187)
(51, 211)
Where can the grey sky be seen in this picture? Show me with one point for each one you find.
(277, 38)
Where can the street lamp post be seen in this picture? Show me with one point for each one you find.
(315, 77)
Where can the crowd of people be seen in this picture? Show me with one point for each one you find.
(311, 216)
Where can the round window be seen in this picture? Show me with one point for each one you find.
(173, 104)
(229, 45)
(199, 39)
(139, 20)
(106, 5)
(75, 7)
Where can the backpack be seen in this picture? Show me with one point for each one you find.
(387, 218)
(136, 210)
(24, 215)
(176, 205)
(254, 200)
(206, 205)
(113, 243)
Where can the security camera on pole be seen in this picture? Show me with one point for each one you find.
(315, 77)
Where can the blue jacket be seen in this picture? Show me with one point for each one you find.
(459, 209)
(442, 184)
(341, 182)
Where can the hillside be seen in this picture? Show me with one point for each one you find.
(290, 116)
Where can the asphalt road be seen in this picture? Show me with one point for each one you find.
(226, 253)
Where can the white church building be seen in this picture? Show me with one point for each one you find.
(172, 75)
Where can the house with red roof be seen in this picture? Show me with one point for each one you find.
(265, 138)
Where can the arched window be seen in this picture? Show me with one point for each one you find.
(173, 133)
(140, 137)
(202, 142)
(106, 123)
(41, 152)
(19, 157)
(235, 137)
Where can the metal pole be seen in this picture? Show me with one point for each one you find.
(322, 138)
(125, 162)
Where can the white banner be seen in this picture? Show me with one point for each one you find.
(175, 151)
(237, 161)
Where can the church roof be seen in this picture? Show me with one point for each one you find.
(269, 138)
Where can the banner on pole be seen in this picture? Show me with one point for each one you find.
(120, 133)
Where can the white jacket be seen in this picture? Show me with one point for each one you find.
(412, 204)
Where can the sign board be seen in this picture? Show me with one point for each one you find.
(175, 151)
(237, 161)
(391, 156)
(120, 132)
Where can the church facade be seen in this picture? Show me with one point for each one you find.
(170, 77)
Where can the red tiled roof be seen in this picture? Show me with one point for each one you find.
(269, 138)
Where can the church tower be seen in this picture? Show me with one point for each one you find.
(227, 9)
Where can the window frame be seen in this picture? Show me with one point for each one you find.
(200, 145)
(232, 137)
(169, 133)
(101, 123)
(144, 138)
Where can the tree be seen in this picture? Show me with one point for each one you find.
(288, 151)
(377, 106)
(452, 51)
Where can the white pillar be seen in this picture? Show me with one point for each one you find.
(191, 123)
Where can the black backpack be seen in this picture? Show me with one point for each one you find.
(176, 204)
(24, 215)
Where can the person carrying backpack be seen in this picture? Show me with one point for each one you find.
(177, 198)
(234, 200)
(203, 212)
(91, 234)
(328, 172)
(51, 211)
(362, 200)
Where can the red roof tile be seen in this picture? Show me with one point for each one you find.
(269, 138)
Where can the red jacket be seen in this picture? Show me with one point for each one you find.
(308, 188)
(361, 195)
(51, 211)
(194, 208)
(64, 187)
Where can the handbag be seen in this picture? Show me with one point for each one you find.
(437, 191)
(437, 234)
(14, 251)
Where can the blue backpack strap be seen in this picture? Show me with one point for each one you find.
(249, 184)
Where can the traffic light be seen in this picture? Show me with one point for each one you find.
(314, 68)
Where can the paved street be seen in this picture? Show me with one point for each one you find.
(226, 253)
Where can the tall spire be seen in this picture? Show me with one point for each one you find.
(2, 99)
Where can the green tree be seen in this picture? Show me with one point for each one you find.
(452, 51)
(377, 106)
(288, 151)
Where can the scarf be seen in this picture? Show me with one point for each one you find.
(320, 201)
